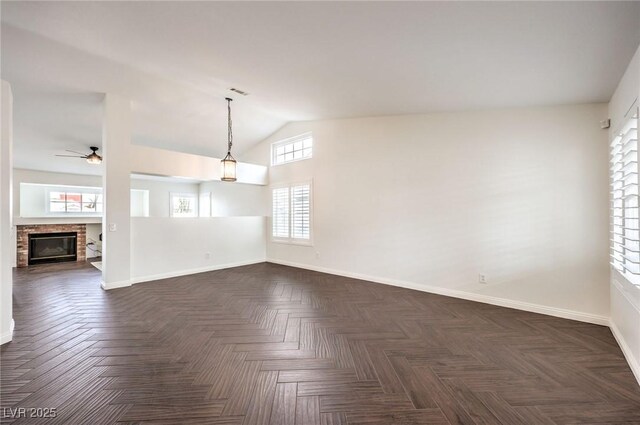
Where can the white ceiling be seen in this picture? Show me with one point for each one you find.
(298, 61)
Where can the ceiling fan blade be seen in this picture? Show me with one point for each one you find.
(79, 153)
(72, 156)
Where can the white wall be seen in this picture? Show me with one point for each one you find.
(31, 213)
(431, 201)
(192, 245)
(625, 297)
(121, 158)
(6, 231)
(228, 199)
(160, 162)
(116, 184)
(34, 211)
(160, 191)
(34, 200)
(236, 199)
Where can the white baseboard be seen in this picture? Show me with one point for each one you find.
(168, 275)
(628, 354)
(159, 276)
(114, 285)
(487, 299)
(7, 337)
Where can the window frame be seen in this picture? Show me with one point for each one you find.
(291, 240)
(194, 196)
(290, 141)
(288, 192)
(73, 190)
(618, 240)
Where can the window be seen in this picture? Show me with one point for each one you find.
(301, 212)
(625, 225)
(291, 221)
(281, 213)
(292, 149)
(184, 205)
(75, 202)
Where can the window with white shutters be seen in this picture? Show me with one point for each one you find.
(625, 220)
(292, 149)
(291, 221)
(281, 213)
(300, 212)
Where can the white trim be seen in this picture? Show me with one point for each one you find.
(291, 240)
(82, 190)
(186, 272)
(114, 285)
(620, 287)
(630, 110)
(195, 271)
(9, 335)
(626, 351)
(287, 141)
(487, 299)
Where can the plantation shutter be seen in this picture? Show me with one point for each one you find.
(281, 212)
(625, 221)
(300, 211)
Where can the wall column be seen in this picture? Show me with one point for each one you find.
(116, 182)
(6, 213)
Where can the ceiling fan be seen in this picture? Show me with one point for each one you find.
(92, 158)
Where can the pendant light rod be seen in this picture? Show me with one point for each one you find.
(230, 138)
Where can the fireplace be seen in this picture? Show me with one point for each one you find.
(52, 247)
(65, 251)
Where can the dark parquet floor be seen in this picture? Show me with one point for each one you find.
(268, 344)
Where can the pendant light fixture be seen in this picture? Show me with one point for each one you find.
(228, 163)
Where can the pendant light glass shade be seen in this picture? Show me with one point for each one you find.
(228, 168)
(228, 163)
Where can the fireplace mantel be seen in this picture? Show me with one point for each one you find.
(23, 232)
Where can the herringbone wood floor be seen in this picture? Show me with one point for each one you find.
(268, 344)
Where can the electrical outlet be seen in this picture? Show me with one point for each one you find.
(112, 227)
(482, 278)
(207, 255)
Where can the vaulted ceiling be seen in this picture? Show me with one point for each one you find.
(299, 61)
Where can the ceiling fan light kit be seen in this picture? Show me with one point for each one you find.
(93, 157)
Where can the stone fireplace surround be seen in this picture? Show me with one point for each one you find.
(23, 232)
